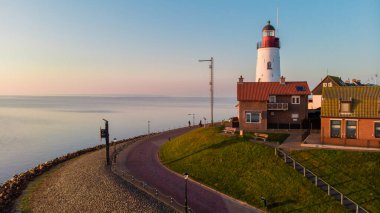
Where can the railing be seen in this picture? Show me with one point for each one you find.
(278, 106)
(141, 185)
(320, 183)
(276, 43)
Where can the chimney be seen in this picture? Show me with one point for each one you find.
(282, 80)
(241, 79)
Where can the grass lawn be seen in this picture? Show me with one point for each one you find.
(244, 170)
(356, 174)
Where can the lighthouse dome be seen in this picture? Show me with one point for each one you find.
(268, 27)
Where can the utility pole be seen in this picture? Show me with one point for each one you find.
(104, 133)
(211, 66)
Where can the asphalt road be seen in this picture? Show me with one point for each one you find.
(141, 161)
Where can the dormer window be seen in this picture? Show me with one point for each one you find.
(345, 106)
(269, 65)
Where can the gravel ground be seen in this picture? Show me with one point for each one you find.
(85, 184)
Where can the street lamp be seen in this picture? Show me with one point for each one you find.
(114, 149)
(193, 117)
(148, 127)
(211, 66)
(186, 176)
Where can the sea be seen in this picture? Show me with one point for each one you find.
(35, 129)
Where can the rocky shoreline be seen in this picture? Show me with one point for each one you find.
(13, 188)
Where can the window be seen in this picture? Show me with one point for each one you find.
(329, 84)
(296, 100)
(335, 126)
(295, 116)
(252, 117)
(345, 106)
(268, 33)
(272, 99)
(377, 129)
(269, 65)
(351, 129)
(324, 84)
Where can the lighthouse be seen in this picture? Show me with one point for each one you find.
(268, 56)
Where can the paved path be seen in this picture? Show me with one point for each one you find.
(141, 160)
(85, 184)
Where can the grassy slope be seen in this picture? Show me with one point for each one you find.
(22, 203)
(244, 170)
(356, 174)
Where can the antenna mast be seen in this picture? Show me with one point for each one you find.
(277, 22)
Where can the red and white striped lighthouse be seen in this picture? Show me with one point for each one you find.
(268, 56)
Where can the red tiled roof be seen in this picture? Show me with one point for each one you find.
(260, 91)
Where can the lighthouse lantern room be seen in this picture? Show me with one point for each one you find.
(268, 56)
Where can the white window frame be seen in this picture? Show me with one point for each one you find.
(341, 127)
(295, 116)
(250, 114)
(272, 97)
(345, 128)
(295, 97)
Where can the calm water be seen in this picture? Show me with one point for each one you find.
(37, 129)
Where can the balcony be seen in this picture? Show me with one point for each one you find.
(278, 106)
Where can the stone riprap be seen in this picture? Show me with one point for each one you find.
(12, 188)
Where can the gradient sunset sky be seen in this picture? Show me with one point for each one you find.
(152, 47)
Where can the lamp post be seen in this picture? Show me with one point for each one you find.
(114, 149)
(104, 133)
(148, 127)
(193, 117)
(211, 66)
(186, 176)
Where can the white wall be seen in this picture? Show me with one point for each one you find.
(264, 55)
(317, 101)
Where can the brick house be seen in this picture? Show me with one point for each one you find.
(350, 116)
(272, 105)
(328, 81)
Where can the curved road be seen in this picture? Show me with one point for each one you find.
(141, 160)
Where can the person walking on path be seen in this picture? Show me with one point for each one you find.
(189, 123)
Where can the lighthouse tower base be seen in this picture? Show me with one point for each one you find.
(268, 64)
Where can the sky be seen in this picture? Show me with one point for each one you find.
(152, 47)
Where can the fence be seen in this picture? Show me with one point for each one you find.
(319, 182)
(141, 185)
